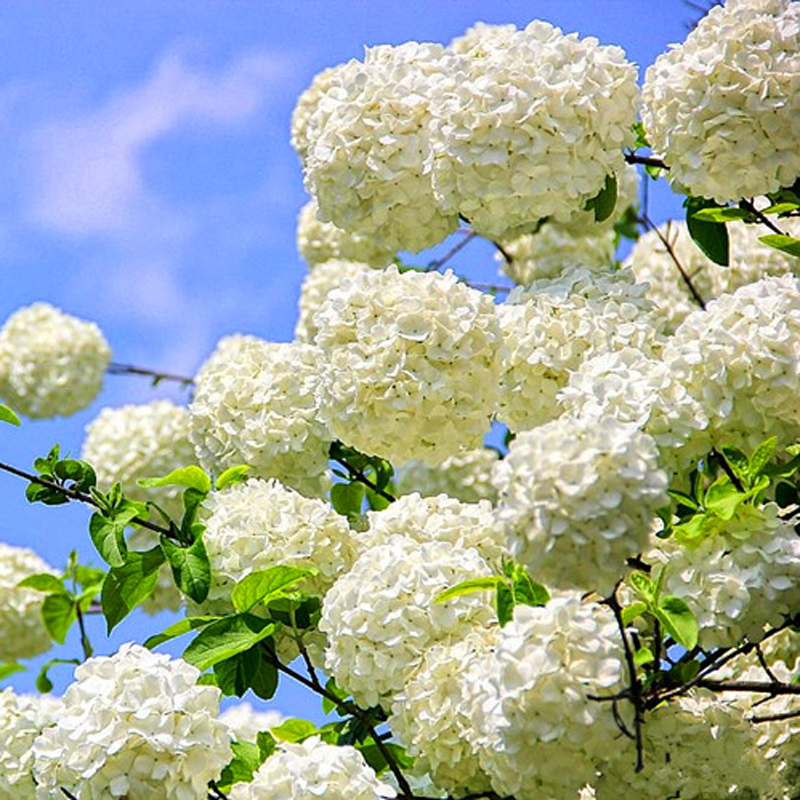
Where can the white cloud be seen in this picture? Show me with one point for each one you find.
(88, 173)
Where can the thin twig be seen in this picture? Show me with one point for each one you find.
(494, 288)
(749, 205)
(359, 476)
(67, 793)
(777, 717)
(763, 661)
(717, 458)
(760, 687)
(126, 369)
(440, 262)
(218, 794)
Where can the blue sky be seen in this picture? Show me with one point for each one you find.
(149, 184)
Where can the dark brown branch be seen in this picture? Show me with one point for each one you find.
(647, 161)
(748, 205)
(759, 687)
(125, 369)
(67, 793)
(777, 717)
(215, 792)
(717, 458)
(360, 477)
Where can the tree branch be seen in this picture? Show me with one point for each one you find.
(360, 477)
(126, 369)
(749, 205)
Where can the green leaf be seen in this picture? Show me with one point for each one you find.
(786, 244)
(301, 611)
(231, 476)
(50, 496)
(336, 691)
(7, 415)
(178, 629)
(641, 136)
(604, 202)
(9, 669)
(58, 613)
(781, 208)
(761, 456)
(43, 682)
(694, 530)
(469, 587)
(79, 472)
(265, 681)
(126, 586)
(293, 730)
(723, 498)
(629, 613)
(723, 214)
(347, 498)
(234, 675)
(376, 501)
(504, 603)
(375, 758)
(678, 620)
(46, 465)
(265, 585)
(644, 655)
(88, 576)
(266, 744)
(738, 463)
(683, 499)
(191, 477)
(225, 638)
(783, 470)
(43, 582)
(247, 758)
(643, 586)
(190, 567)
(710, 237)
(528, 592)
(786, 494)
(108, 537)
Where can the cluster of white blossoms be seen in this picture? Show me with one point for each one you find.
(722, 107)
(318, 242)
(22, 719)
(750, 260)
(401, 145)
(412, 364)
(690, 744)
(467, 477)
(140, 441)
(380, 617)
(577, 496)
(317, 285)
(551, 326)
(438, 519)
(542, 733)
(432, 716)
(740, 359)
(262, 523)
(51, 363)
(739, 579)
(245, 722)
(312, 770)
(255, 403)
(513, 145)
(22, 632)
(135, 724)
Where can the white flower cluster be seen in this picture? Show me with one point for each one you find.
(631, 387)
(317, 285)
(135, 725)
(750, 260)
(437, 519)
(577, 496)
(318, 242)
(740, 359)
(722, 107)
(550, 327)
(741, 578)
(140, 441)
(245, 723)
(255, 403)
(260, 524)
(467, 477)
(543, 733)
(51, 363)
(22, 632)
(690, 744)
(312, 770)
(412, 364)
(381, 617)
(432, 716)
(22, 719)
(367, 147)
(513, 145)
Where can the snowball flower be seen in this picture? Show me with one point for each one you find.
(319, 241)
(750, 260)
(367, 159)
(134, 725)
(245, 722)
(577, 496)
(543, 733)
(551, 326)
(740, 359)
(411, 364)
(312, 770)
(437, 519)
(513, 145)
(316, 287)
(22, 632)
(22, 719)
(467, 477)
(51, 363)
(723, 108)
(140, 441)
(381, 617)
(254, 403)
(260, 524)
